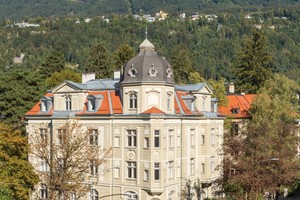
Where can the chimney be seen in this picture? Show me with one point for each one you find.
(231, 87)
(87, 77)
(117, 74)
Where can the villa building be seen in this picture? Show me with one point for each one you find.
(161, 134)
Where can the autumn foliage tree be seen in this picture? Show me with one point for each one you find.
(262, 158)
(67, 159)
(17, 176)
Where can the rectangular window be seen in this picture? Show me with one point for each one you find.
(156, 171)
(93, 137)
(192, 137)
(131, 138)
(133, 101)
(212, 164)
(212, 136)
(171, 138)
(156, 138)
(131, 170)
(146, 142)
(146, 175)
(61, 136)
(203, 139)
(43, 165)
(171, 169)
(116, 172)
(93, 167)
(43, 134)
(202, 168)
(44, 192)
(117, 141)
(168, 101)
(73, 196)
(192, 166)
(178, 141)
(68, 103)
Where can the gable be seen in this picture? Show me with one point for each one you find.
(66, 86)
(205, 90)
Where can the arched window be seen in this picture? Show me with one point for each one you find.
(93, 195)
(131, 196)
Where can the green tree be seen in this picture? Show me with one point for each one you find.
(98, 62)
(54, 61)
(219, 91)
(253, 64)
(122, 55)
(19, 89)
(195, 77)
(263, 156)
(181, 63)
(16, 173)
(59, 77)
(187, 192)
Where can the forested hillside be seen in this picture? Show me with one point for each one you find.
(211, 44)
(16, 9)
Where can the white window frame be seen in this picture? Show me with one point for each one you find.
(131, 138)
(131, 170)
(93, 195)
(93, 133)
(156, 171)
(157, 138)
(93, 168)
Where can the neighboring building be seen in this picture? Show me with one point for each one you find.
(161, 134)
(237, 109)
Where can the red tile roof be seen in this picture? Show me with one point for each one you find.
(37, 108)
(239, 103)
(153, 110)
(184, 107)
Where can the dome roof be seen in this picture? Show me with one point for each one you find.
(147, 66)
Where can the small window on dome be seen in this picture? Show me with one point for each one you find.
(132, 72)
(169, 71)
(153, 71)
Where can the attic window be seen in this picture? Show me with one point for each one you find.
(68, 103)
(93, 102)
(46, 104)
(235, 110)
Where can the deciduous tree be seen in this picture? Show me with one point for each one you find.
(17, 176)
(59, 77)
(262, 158)
(71, 157)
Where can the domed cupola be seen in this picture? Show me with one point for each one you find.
(147, 66)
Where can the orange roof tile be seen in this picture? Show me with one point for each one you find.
(36, 110)
(153, 110)
(239, 102)
(184, 107)
(116, 103)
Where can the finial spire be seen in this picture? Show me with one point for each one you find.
(146, 33)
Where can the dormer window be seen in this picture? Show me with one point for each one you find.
(46, 104)
(133, 101)
(235, 110)
(93, 102)
(153, 71)
(68, 103)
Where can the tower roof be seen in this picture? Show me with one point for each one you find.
(147, 66)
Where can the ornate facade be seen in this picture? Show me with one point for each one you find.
(161, 134)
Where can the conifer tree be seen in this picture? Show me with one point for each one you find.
(253, 64)
(98, 62)
(53, 62)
